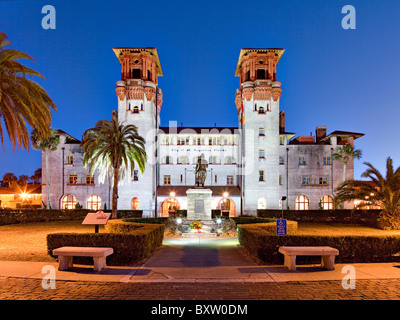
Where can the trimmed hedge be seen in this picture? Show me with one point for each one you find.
(364, 217)
(130, 247)
(250, 220)
(355, 249)
(9, 216)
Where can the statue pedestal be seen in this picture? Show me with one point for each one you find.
(199, 204)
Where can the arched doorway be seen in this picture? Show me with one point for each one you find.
(135, 203)
(169, 207)
(227, 207)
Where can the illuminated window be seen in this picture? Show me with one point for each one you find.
(326, 203)
(93, 202)
(135, 203)
(261, 110)
(302, 203)
(261, 175)
(69, 202)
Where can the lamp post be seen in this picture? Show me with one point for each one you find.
(283, 198)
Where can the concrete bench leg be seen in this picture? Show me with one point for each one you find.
(290, 262)
(64, 263)
(328, 262)
(99, 263)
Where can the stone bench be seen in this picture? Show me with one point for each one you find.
(66, 254)
(327, 255)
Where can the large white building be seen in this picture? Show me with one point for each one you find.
(251, 166)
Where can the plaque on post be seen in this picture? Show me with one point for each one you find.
(96, 219)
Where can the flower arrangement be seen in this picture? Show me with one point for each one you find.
(196, 225)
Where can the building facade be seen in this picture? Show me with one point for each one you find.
(256, 165)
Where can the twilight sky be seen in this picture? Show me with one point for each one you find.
(343, 79)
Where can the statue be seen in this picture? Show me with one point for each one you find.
(201, 171)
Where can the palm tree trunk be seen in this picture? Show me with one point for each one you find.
(47, 181)
(344, 171)
(115, 193)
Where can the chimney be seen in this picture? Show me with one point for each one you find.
(320, 132)
(281, 121)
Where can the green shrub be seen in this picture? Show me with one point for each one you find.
(264, 245)
(252, 219)
(131, 245)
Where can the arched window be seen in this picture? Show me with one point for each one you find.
(261, 203)
(169, 207)
(261, 110)
(168, 160)
(69, 202)
(93, 202)
(213, 160)
(230, 160)
(135, 109)
(302, 203)
(183, 160)
(326, 203)
(135, 203)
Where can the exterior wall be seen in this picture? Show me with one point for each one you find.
(59, 177)
(144, 120)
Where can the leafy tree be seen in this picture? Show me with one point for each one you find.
(37, 176)
(113, 148)
(9, 178)
(382, 191)
(22, 100)
(46, 145)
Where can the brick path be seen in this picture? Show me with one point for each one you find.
(31, 289)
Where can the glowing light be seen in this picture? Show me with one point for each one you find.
(226, 194)
(219, 220)
(172, 194)
(178, 220)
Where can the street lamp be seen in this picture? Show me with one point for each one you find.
(283, 198)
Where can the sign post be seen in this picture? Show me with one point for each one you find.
(96, 219)
(281, 227)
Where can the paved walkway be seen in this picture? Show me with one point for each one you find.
(215, 269)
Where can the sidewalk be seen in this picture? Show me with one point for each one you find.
(199, 260)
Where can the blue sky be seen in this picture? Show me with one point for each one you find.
(343, 79)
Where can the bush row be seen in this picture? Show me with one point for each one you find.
(9, 216)
(363, 217)
(130, 246)
(355, 249)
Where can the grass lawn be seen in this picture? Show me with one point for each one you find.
(27, 242)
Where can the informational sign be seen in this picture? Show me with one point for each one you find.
(281, 227)
(96, 219)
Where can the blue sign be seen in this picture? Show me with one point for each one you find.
(281, 227)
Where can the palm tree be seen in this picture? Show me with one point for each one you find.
(382, 191)
(22, 100)
(113, 148)
(344, 154)
(46, 145)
